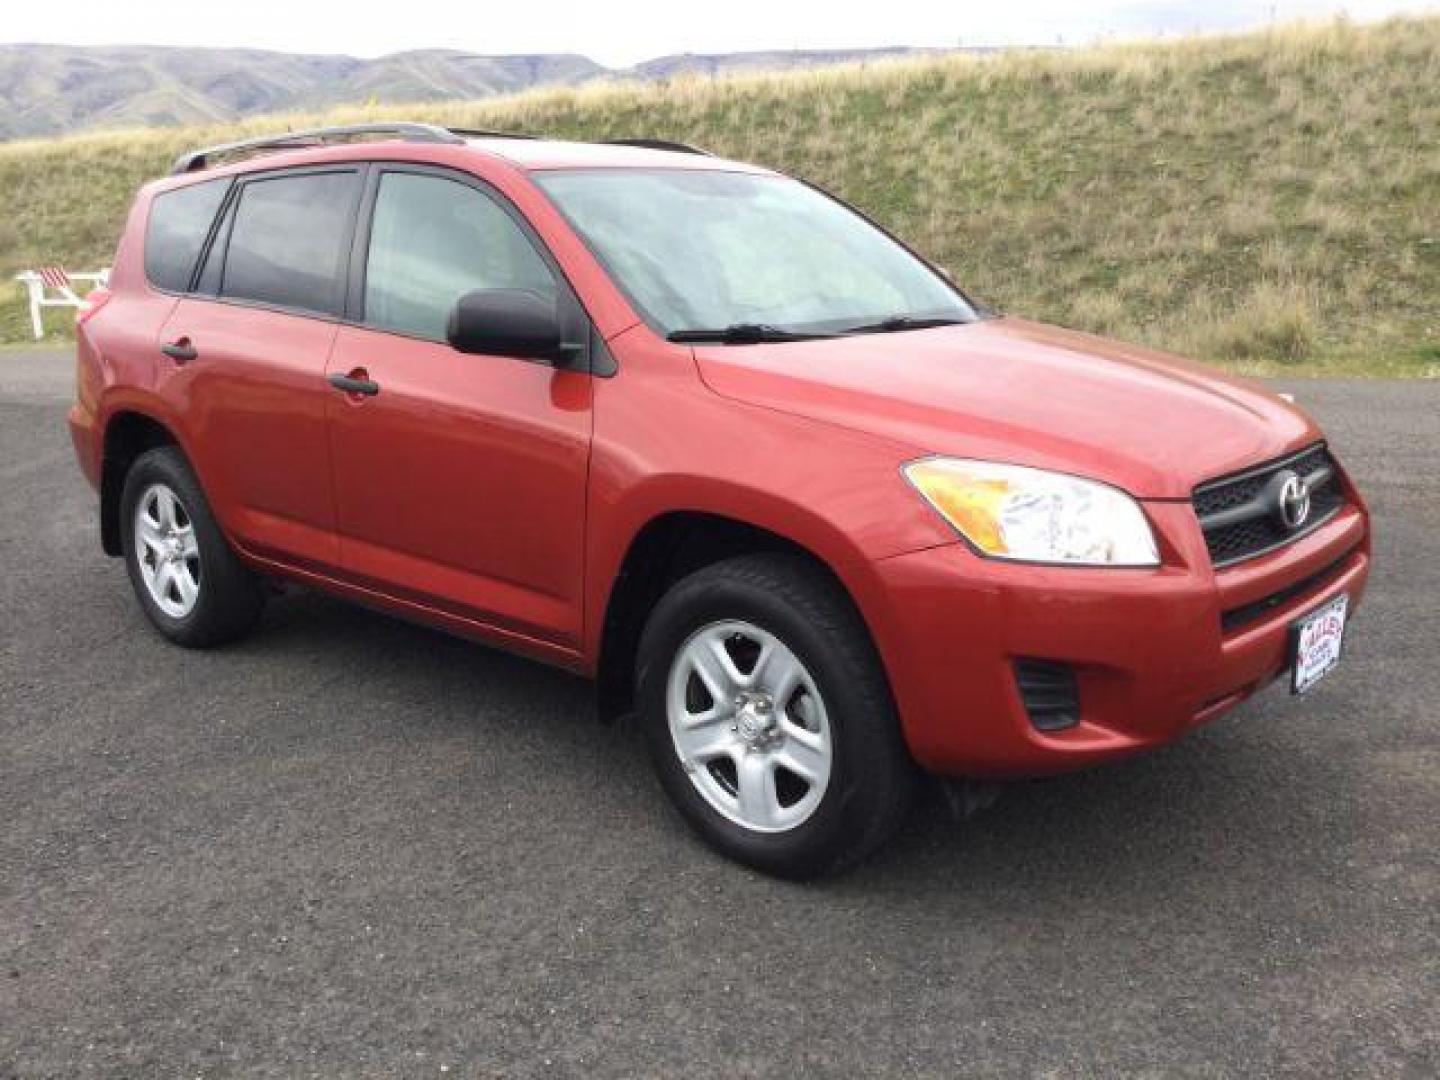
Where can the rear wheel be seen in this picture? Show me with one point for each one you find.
(192, 586)
(769, 718)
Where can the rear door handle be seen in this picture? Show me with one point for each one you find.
(352, 385)
(181, 350)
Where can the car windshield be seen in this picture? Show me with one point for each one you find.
(745, 257)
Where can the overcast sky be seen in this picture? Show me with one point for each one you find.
(622, 32)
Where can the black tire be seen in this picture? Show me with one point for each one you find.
(230, 598)
(872, 777)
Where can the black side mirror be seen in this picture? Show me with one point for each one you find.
(506, 322)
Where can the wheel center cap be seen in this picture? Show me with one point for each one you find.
(755, 720)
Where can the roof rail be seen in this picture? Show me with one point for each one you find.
(482, 133)
(195, 160)
(659, 144)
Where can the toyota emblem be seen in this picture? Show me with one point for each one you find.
(1293, 502)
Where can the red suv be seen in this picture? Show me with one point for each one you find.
(707, 435)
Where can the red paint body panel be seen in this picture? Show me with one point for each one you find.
(255, 403)
(462, 483)
(498, 498)
(1015, 391)
(1151, 656)
(664, 443)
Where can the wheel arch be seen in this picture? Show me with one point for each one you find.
(666, 548)
(129, 433)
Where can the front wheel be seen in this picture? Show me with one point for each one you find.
(769, 718)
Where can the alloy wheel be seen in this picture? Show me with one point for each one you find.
(166, 551)
(749, 726)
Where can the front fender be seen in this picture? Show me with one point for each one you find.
(665, 443)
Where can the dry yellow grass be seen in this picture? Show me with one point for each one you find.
(1262, 200)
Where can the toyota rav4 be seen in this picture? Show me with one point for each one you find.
(711, 437)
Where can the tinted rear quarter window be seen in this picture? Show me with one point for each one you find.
(179, 222)
(290, 239)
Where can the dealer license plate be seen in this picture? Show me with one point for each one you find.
(1317, 642)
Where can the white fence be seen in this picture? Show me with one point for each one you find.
(54, 287)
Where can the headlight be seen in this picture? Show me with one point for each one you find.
(1011, 512)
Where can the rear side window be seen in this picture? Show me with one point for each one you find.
(431, 241)
(179, 222)
(289, 241)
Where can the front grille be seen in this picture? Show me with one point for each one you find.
(1238, 514)
(1050, 693)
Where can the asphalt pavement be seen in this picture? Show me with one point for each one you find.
(353, 847)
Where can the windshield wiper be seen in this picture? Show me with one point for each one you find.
(902, 322)
(743, 334)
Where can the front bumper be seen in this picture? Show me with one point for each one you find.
(1155, 652)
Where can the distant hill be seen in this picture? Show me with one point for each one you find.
(55, 89)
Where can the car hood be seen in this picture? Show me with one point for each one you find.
(1020, 392)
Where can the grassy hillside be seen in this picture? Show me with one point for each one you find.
(1264, 201)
